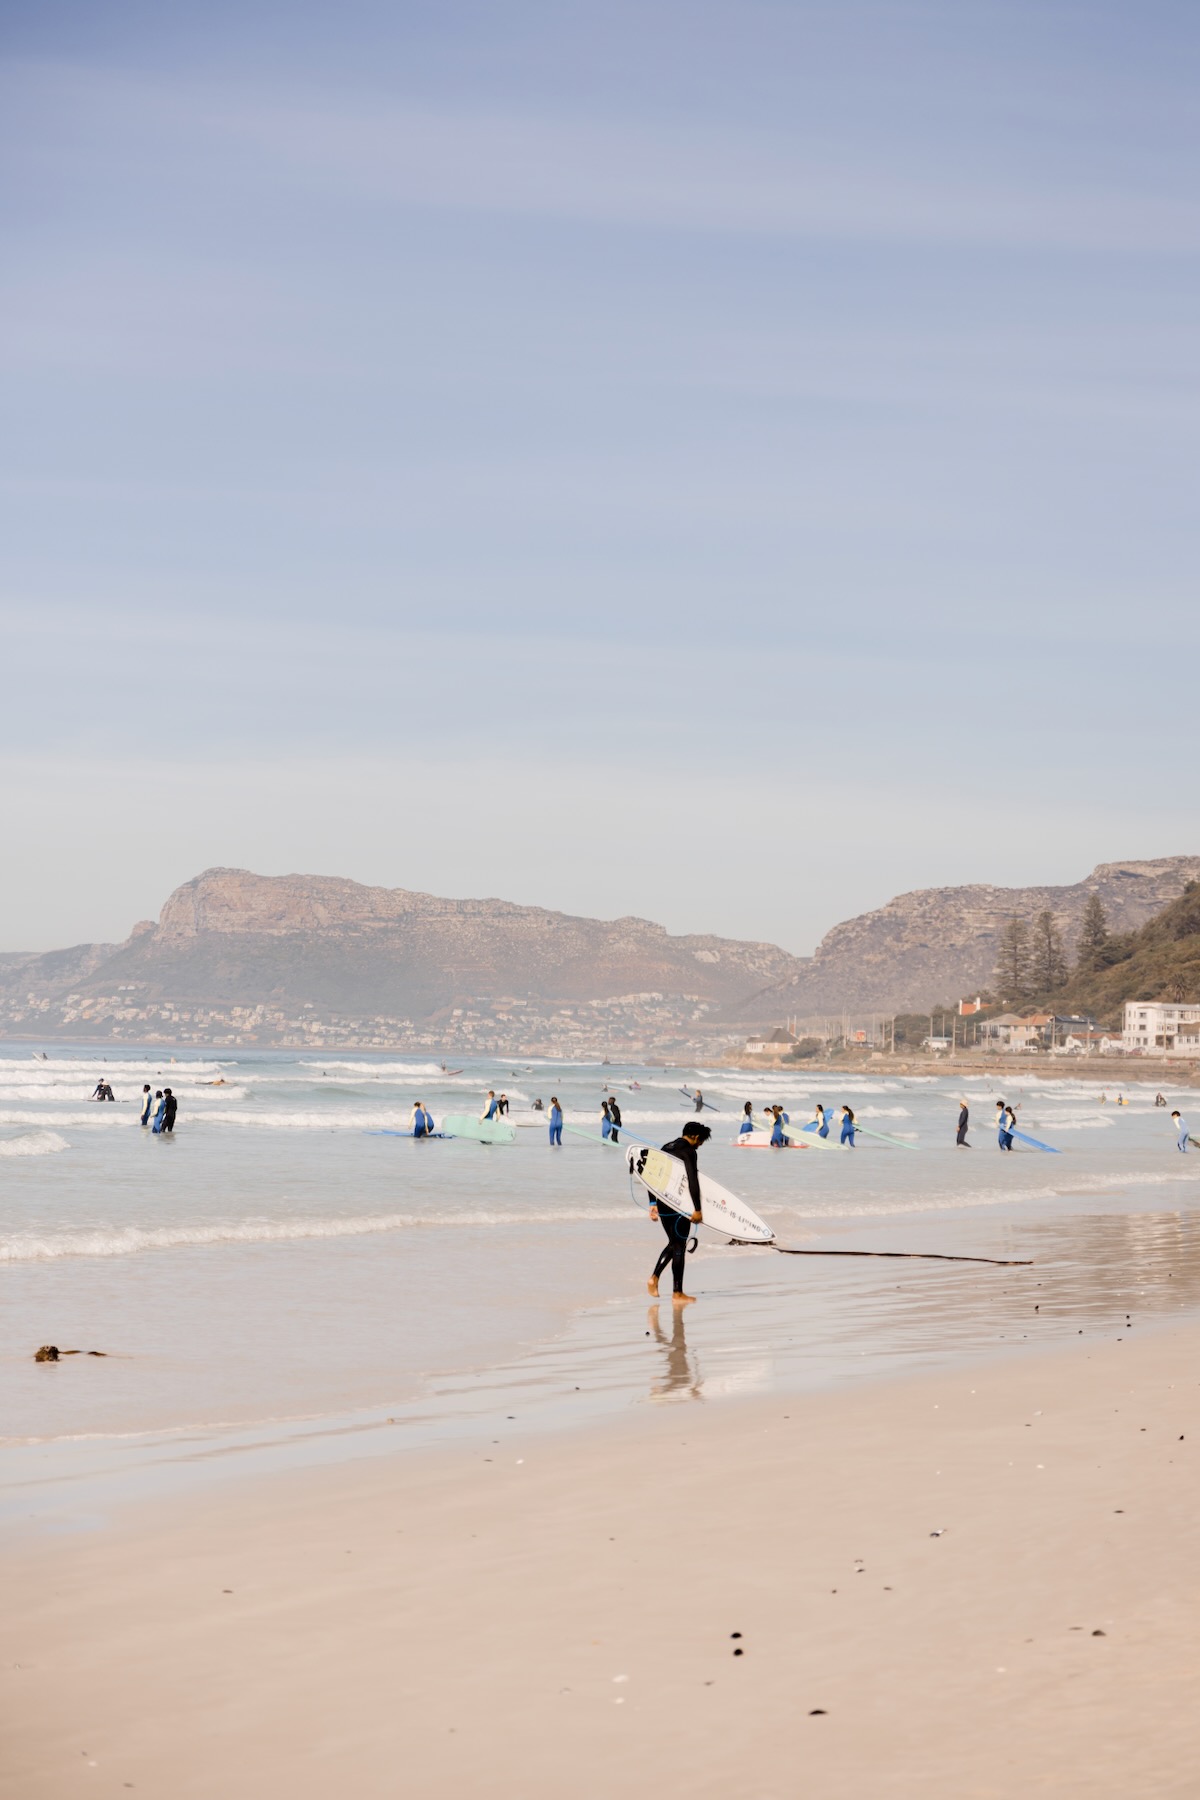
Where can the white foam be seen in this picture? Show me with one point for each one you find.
(33, 1143)
(131, 1240)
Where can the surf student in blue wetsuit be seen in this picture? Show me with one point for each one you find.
(847, 1136)
(1003, 1115)
(747, 1124)
(160, 1111)
(781, 1119)
(556, 1121)
(147, 1103)
(1180, 1123)
(421, 1121)
(605, 1120)
(614, 1113)
(821, 1123)
(678, 1225)
(491, 1109)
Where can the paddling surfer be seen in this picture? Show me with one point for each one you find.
(678, 1225)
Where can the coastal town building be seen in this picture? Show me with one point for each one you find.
(1162, 1027)
(776, 1044)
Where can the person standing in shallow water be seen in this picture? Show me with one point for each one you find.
(1003, 1115)
(847, 1136)
(160, 1107)
(605, 1120)
(964, 1119)
(678, 1225)
(614, 1113)
(556, 1121)
(698, 1097)
(747, 1124)
(1180, 1124)
(147, 1103)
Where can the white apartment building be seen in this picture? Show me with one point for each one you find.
(1161, 1027)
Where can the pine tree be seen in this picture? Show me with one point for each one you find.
(1048, 959)
(1012, 970)
(1091, 952)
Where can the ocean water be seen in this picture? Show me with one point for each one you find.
(276, 1268)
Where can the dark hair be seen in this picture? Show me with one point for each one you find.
(700, 1132)
(748, 1109)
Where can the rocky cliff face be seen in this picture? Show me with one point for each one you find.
(938, 944)
(232, 936)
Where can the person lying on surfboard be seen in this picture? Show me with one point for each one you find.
(677, 1225)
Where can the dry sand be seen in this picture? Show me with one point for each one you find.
(553, 1616)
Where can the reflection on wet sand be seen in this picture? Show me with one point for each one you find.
(677, 1373)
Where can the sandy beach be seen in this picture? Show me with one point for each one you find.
(972, 1583)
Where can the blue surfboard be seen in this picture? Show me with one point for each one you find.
(1036, 1143)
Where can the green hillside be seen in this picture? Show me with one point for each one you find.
(1159, 961)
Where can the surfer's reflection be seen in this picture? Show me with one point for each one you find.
(679, 1375)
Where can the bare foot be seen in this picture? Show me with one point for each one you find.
(684, 1299)
(652, 1287)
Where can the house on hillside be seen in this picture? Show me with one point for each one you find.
(1093, 1043)
(967, 1007)
(1009, 1032)
(777, 1044)
(1161, 1028)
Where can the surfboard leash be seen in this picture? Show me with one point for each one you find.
(997, 1262)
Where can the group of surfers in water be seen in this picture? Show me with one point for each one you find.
(778, 1120)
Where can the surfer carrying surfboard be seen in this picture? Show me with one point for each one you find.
(678, 1225)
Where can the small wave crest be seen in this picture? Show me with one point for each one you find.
(33, 1143)
(130, 1240)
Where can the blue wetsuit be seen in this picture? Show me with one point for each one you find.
(492, 1108)
(605, 1122)
(1181, 1143)
(847, 1136)
(422, 1123)
(746, 1126)
(777, 1130)
(556, 1125)
(159, 1116)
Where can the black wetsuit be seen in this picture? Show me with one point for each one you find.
(172, 1107)
(614, 1113)
(698, 1097)
(677, 1225)
(963, 1118)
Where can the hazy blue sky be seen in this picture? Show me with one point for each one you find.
(726, 461)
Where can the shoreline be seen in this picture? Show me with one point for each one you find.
(973, 1581)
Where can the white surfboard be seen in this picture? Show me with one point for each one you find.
(665, 1178)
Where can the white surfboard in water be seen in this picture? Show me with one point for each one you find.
(665, 1178)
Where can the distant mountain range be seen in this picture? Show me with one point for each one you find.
(239, 957)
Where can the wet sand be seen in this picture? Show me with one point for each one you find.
(552, 1614)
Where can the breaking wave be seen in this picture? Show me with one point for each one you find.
(34, 1143)
(130, 1240)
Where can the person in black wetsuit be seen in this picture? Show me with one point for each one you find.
(678, 1225)
(964, 1119)
(698, 1097)
(614, 1113)
(170, 1108)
